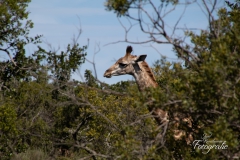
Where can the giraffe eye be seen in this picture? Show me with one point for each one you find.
(122, 65)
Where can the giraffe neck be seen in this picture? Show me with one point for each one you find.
(144, 76)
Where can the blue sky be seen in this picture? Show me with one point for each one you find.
(58, 21)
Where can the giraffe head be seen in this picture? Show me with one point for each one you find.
(125, 65)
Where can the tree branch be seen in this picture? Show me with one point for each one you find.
(9, 55)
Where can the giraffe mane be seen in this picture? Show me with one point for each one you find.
(148, 70)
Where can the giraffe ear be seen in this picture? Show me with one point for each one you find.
(141, 58)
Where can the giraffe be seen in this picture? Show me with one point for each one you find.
(139, 69)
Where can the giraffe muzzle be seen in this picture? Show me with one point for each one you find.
(107, 74)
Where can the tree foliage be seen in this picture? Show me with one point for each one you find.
(46, 115)
(121, 7)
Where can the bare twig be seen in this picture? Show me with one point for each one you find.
(79, 29)
(96, 50)
(94, 153)
(9, 55)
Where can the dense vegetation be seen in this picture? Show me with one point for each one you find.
(46, 115)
